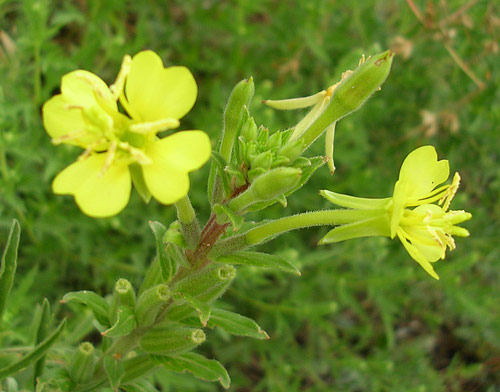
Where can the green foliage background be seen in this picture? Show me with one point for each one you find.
(363, 316)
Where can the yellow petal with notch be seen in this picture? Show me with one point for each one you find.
(155, 93)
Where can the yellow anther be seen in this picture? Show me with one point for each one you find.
(117, 87)
(73, 135)
(154, 126)
(450, 192)
(110, 156)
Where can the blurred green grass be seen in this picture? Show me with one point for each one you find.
(363, 316)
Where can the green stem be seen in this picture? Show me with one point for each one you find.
(189, 223)
(307, 219)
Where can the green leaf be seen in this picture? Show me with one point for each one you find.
(95, 302)
(114, 370)
(202, 308)
(198, 365)
(41, 330)
(236, 220)
(38, 352)
(141, 386)
(262, 260)
(236, 324)
(125, 323)
(9, 265)
(221, 164)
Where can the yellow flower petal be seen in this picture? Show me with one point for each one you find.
(59, 121)
(421, 172)
(86, 89)
(98, 195)
(417, 256)
(155, 93)
(172, 158)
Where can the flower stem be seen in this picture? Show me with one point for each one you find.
(308, 219)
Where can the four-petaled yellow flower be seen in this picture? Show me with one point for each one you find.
(425, 229)
(120, 149)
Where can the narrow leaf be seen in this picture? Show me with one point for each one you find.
(236, 220)
(125, 323)
(114, 370)
(34, 355)
(9, 265)
(95, 302)
(202, 308)
(41, 331)
(198, 365)
(236, 324)
(258, 259)
(141, 386)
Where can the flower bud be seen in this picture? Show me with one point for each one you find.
(240, 97)
(263, 160)
(83, 363)
(123, 294)
(169, 338)
(149, 304)
(267, 186)
(351, 93)
(360, 85)
(249, 129)
(207, 284)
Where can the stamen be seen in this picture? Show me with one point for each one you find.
(92, 147)
(117, 87)
(155, 126)
(450, 193)
(110, 156)
(436, 194)
(70, 136)
(138, 155)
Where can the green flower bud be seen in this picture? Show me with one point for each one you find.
(292, 149)
(150, 303)
(264, 160)
(82, 366)
(360, 85)
(274, 140)
(351, 93)
(240, 97)
(268, 186)
(207, 284)
(249, 130)
(169, 338)
(124, 294)
(263, 135)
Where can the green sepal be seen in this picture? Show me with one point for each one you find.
(139, 183)
(202, 308)
(9, 265)
(125, 323)
(224, 213)
(42, 323)
(115, 370)
(236, 324)
(201, 367)
(254, 173)
(34, 355)
(153, 276)
(167, 264)
(263, 135)
(261, 260)
(170, 338)
(95, 302)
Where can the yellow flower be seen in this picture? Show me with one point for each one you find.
(425, 229)
(86, 114)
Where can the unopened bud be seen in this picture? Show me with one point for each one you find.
(207, 284)
(267, 186)
(169, 338)
(83, 364)
(240, 97)
(249, 129)
(150, 303)
(352, 93)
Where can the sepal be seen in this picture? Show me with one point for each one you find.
(83, 363)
